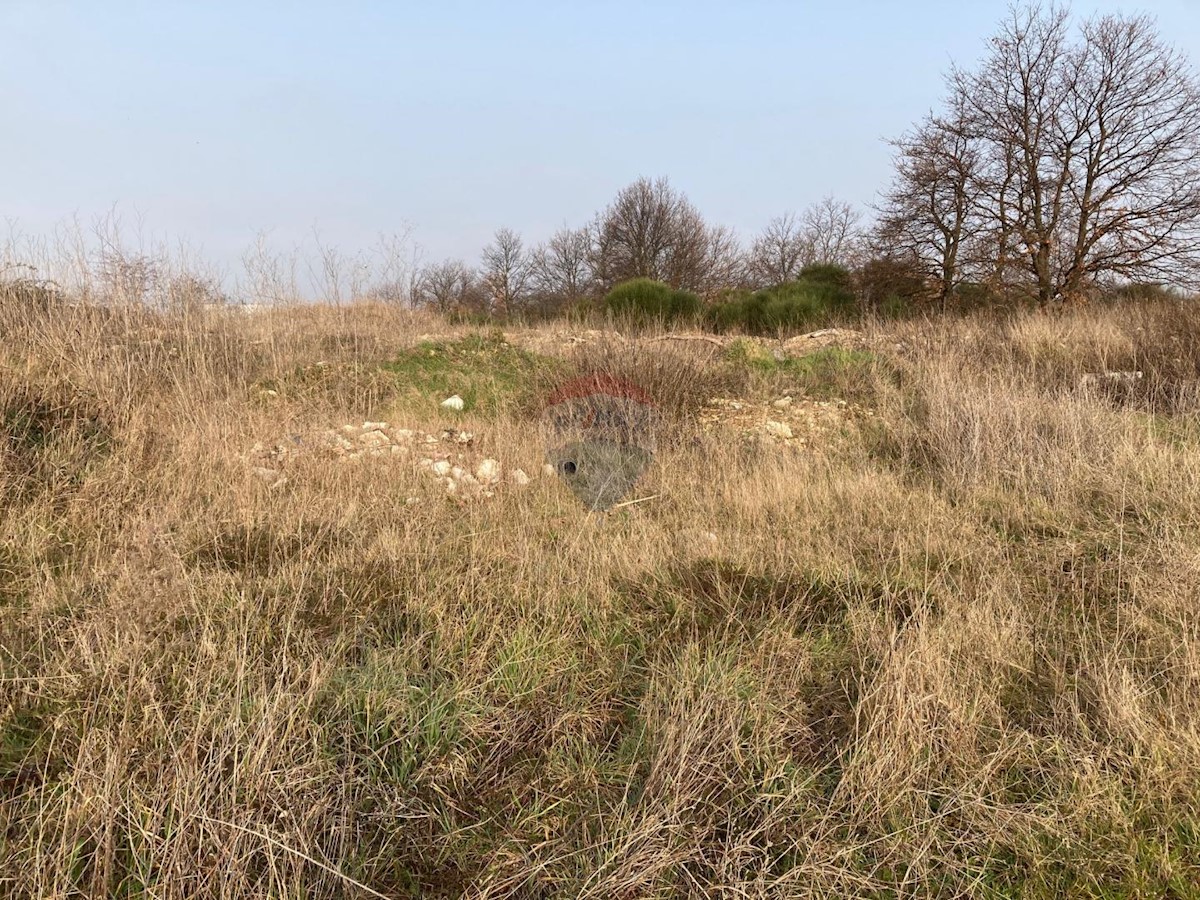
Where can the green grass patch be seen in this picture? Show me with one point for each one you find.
(1179, 432)
(831, 372)
(489, 374)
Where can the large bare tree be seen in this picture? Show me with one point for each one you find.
(725, 264)
(1089, 150)
(830, 228)
(926, 216)
(651, 230)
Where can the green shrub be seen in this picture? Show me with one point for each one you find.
(821, 293)
(897, 306)
(829, 274)
(644, 300)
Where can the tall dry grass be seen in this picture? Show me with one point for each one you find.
(955, 655)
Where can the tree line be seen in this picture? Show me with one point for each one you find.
(1062, 165)
(1066, 161)
(650, 230)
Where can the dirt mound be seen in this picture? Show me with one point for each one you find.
(551, 342)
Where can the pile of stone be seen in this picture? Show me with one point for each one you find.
(447, 456)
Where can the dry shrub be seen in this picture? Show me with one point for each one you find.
(680, 376)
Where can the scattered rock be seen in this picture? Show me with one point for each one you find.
(825, 337)
(798, 423)
(374, 438)
(455, 403)
(782, 403)
(726, 403)
(445, 456)
(488, 471)
(778, 429)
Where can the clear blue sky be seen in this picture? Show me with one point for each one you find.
(212, 121)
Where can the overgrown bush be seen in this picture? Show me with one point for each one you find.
(893, 288)
(971, 296)
(831, 276)
(644, 300)
(820, 294)
(1137, 292)
(29, 294)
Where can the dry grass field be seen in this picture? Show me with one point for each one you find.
(946, 643)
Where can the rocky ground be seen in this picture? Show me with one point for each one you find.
(555, 342)
(792, 422)
(451, 456)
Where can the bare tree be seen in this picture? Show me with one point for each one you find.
(779, 252)
(652, 231)
(830, 228)
(725, 264)
(271, 279)
(1090, 149)
(506, 271)
(447, 286)
(128, 278)
(925, 215)
(190, 292)
(396, 271)
(562, 267)
(328, 274)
